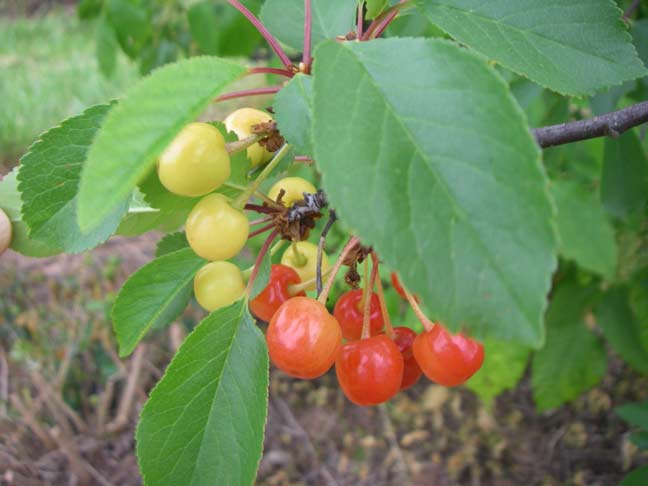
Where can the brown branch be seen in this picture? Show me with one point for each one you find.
(608, 125)
(128, 396)
(631, 9)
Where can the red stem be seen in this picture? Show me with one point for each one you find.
(427, 323)
(269, 70)
(258, 208)
(274, 44)
(360, 20)
(260, 230)
(257, 263)
(308, 27)
(380, 23)
(389, 330)
(261, 220)
(366, 315)
(249, 92)
(351, 244)
(303, 158)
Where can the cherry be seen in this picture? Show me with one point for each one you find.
(349, 312)
(215, 230)
(303, 338)
(370, 371)
(241, 122)
(302, 256)
(5, 231)
(196, 162)
(264, 305)
(218, 284)
(294, 189)
(447, 359)
(404, 338)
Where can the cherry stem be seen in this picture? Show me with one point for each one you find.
(427, 324)
(261, 220)
(360, 20)
(261, 230)
(389, 330)
(294, 289)
(259, 259)
(366, 295)
(240, 202)
(258, 208)
(380, 23)
(303, 158)
(274, 44)
(320, 249)
(240, 145)
(308, 27)
(269, 70)
(249, 92)
(351, 244)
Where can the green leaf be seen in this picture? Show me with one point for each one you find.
(585, 233)
(574, 47)
(447, 186)
(203, 423)
(142, 218)
(89, 9)
(573, 359)
(293, 112)
(106, 47)
(624, 181)
(375, 7)
(141, 126)
(154, 296)
(11, 204)
(49, 182)
(285, 19)
(638, 477)
(131, 23)
(634, 413)
(170, 243)
(622, 328)
(504, 365)
(639, 303)
(640, 439)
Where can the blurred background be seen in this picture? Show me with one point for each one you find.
(69, 405)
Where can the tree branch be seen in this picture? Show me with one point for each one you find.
(608, 125)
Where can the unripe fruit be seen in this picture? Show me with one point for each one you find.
(302, 256)
(294, 188)
(349, 312)
(264, 305)
(241, 122)
(5, 231)
(215, 230)
(370, 371)
(303, 338)
(447, 359)
(196, 162)
(218, 284)
(404, 339)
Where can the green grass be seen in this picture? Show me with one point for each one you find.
(48, 72)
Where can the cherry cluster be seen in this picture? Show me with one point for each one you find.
(373, 360)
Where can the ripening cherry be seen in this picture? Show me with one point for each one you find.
(447, 359)
(215, 230)
(241, 122)
(303, 338)
(294, 188)
(349, 312)
(196, 162)
(5, 231)
(302, 256)
(264, 305)
(218, 284)
(404, 339)
(370, 371)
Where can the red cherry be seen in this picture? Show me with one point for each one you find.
(370, 371)
(264, 305)
(404, 338)
(399, 288)
(303, 338)
(349, 311)
(447, 359)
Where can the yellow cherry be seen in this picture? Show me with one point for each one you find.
(218, 284)
(294, 188)
(241, 122)
(5, 231)
(302, 256)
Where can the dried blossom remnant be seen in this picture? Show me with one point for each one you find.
(274, 140)
(356, 256)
